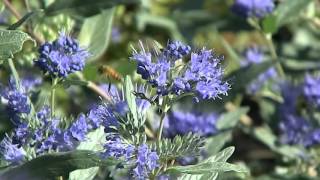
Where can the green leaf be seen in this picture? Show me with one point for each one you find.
(145, 19)
(209, 176)
(56, 164)
(96, 33)
(215, 143)
(94, 142)
(131, 99)
(265, 135)
(290, 9)
(301, 65)
(207, 167)
(188, 145)
(11, 42)
(222, 157)
(269, 24)
(230, 119)
(69, 82)
(84, 7)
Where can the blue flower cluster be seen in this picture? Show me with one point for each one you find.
(146, 161)
(181, 123)
(11, 152)
(201, 76)
(253, 8)
(50, 137)
(311, 89)
(294, 128)
(46, 136)
(140, 157)
(61, 57)
(254, 55)
(17, 101)
(176, 50)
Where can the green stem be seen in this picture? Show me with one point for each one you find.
(14, 73)
(53, 91)
(161, 125)
(274, 55)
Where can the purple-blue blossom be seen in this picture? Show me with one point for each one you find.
(294, 128)
(11, 152)
(181, 123)
(176, 50)
(115, 147)
(17, 102)
(61, 57)
(79, 128)
(254, 55)
(146, 161)
(311, 89)
(253, 8)
(202, 76)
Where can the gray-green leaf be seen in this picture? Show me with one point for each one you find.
(290, 9)
(207, 167)
(55, 164)
(11, 42)
(131, 99)
(94, 142)
(96, 33)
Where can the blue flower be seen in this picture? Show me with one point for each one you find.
(176, 50)
(254, 55)
(61, 57)
(11, 152)
(202, 76)
(79, 128)
(311, 89)
(115, 147)
(21, 134)
(253, 8)
(146, 162)
(181, 123)
(294, 128)
(17, 101)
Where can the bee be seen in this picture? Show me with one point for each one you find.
(109, 72)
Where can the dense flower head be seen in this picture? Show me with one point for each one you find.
(105, 114)
(21, 134)
(10, 151)
(181, 123)
(115, 147)
(253, 8)
(17, 101)
(176, 50)
(146, 161)
(311, 90)
(294, 128)
(202, 75)
(62, 56)
(254, 55)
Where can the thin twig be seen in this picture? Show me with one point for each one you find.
(99, 91)
(13, 10)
